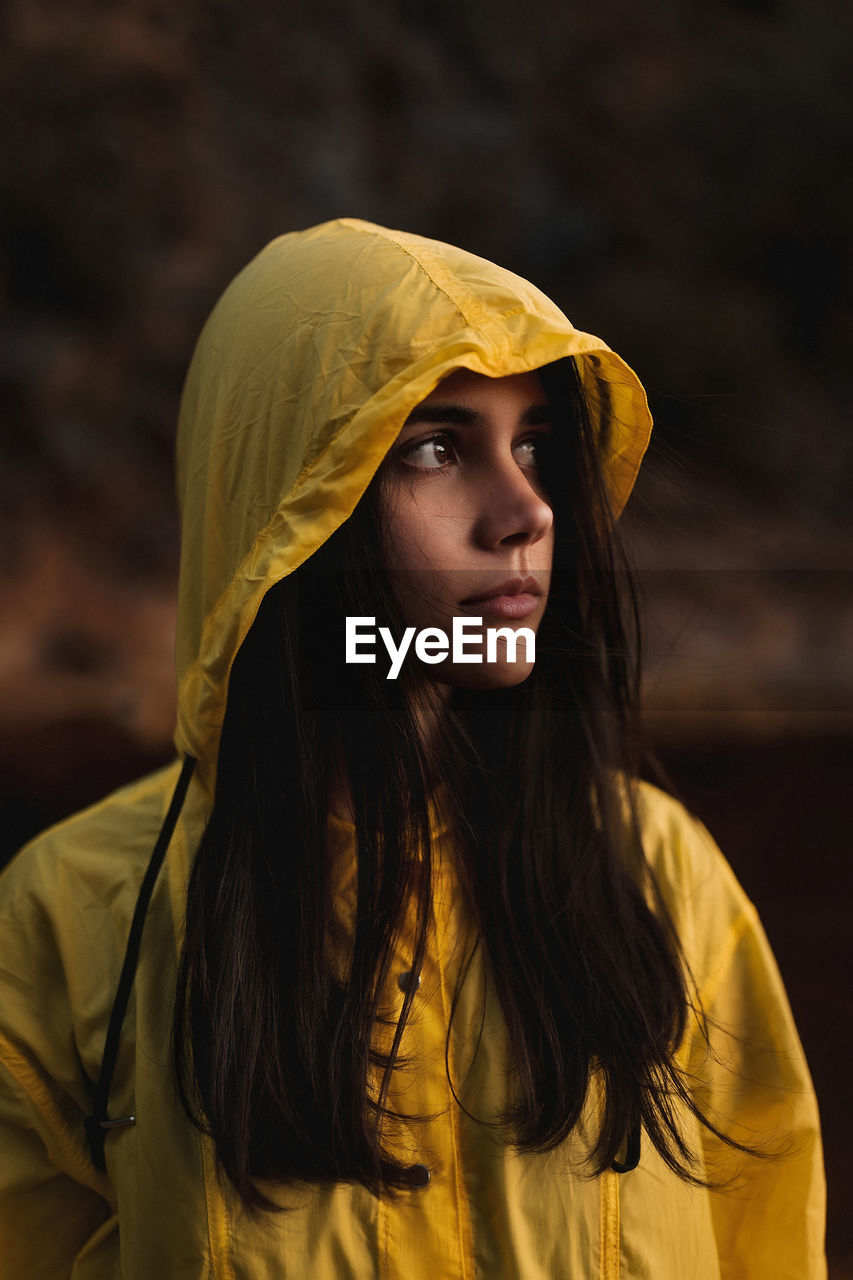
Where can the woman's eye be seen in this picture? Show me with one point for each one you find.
(429, 454)
(529, 453)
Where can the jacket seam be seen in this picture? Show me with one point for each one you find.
(218, 1231)
(384, 1233)
(466, 303)
(609, 1226)
(466, 1249)
(735, 933)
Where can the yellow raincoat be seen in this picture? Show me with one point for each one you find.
(301, 380)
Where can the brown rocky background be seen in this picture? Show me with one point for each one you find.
(678, 176)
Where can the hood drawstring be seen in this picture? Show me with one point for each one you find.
(632, 1152)
(98, 1124)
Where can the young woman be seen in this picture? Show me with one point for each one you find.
(419, 980)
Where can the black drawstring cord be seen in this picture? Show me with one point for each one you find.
(98, 1123)
(632, 1153)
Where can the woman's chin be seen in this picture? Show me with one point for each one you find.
(492, 675)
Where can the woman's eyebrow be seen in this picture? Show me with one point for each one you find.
(460, 415)
(536, 415)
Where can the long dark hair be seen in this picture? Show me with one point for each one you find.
(275, 1047)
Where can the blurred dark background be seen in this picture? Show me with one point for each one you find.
(677, 176)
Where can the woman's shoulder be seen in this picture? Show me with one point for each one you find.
(702, 896)
(67, 898)
(66, 902)
(98, 847)
(678, 847)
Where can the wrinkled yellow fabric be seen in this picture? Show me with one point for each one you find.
(300, 381)
(65, 908)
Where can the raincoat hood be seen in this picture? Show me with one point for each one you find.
(304, 374)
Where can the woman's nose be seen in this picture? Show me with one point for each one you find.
(512, 512)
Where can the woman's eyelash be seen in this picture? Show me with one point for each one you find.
(443, 439)
(446, 440)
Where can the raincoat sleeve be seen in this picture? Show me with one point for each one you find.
(748, 1072)
(53, 1203)
(50, 1204)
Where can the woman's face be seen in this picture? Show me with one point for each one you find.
(467, 528)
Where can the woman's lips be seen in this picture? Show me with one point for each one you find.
(520, 605)
(514, 598)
